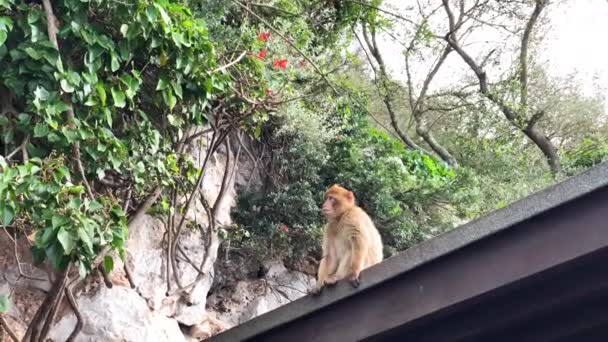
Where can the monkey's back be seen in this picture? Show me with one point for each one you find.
(369, 232)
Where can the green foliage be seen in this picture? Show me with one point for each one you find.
(495, 172)
(135, 74)
(68, 228)
(4, 302)
(315, 151)
(393, 184)
(590, 152)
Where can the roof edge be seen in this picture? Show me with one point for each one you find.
(478, 229)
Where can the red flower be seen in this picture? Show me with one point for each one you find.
(261, 54)
(268, 91)
(284, 227)
(263, 36)
(280, 63)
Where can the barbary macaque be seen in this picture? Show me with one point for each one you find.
(351, 241)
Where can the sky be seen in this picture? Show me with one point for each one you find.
(575, 44)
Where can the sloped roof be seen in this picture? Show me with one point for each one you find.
(524, 250)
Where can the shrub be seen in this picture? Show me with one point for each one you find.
(314, 151)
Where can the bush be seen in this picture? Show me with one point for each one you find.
(591, 152)
(392, 184)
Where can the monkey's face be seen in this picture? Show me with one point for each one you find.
(336, 201)
(329, 207)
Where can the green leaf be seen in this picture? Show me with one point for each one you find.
(7, 214)
(40, 130)
(66, 240)
(4, 304)
(124, 28)
(36, 35)
(165, 17)
(74, 204)
(172, 120)
(179, 39)
(58, 221)
(115, 65)
(108, 114)
(101, 92)
(169, 99)
(151, 14)
(91, 102)
(63, 173)
(54, 254)
(33, 16)
(163, 83)
(33, 53)
(101, 173)
(94, 205)
(45, 237)
(3, 37)
(66, 86)
(108, 264)
(85, 238)
(82, 269)
(178, 89)
(41, 94)
(76, 189)
(155, 42)
(6, 23)
(131, 83)
(119, 97)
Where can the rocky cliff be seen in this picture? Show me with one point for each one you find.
(150, 311)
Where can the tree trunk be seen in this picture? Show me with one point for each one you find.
(441, 151)
(546, 147)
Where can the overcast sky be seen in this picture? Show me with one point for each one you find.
(575, 43)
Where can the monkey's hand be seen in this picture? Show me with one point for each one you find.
(318, 288)
(332, 280)
(354, 278)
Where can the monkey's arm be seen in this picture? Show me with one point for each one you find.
(322, 273)
(325, 264)
(358, 247)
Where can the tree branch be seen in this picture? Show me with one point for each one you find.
(4, 325)
(51, 22)
(76, 310)
(231, 63)
(289, 42)
(523, 56)
(382, 79)
(517, 117)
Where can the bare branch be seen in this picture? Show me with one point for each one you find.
(16, 254)
(431, 75)
(523, 56)
(517, 117)
(21, 148)
(382, 79)
(224, 185)
(274, 8)
(392, 14)
(231, 63)
(79, 318)
(4, 325)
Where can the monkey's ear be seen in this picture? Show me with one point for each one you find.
(350, 196)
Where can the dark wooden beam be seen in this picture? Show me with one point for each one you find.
(528, 240)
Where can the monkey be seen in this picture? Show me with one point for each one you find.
(351, 241)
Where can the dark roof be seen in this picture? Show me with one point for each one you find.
(516, 248)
